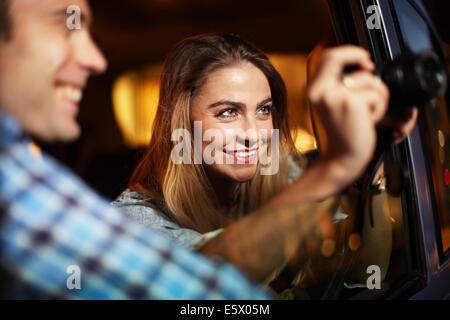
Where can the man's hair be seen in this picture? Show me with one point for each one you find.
(4, 19)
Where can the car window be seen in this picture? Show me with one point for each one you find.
(398, 253)
(414, 29)
(435, 127)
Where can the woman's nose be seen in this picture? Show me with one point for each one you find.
(249, 133)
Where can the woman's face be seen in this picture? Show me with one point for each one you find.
(234, 107)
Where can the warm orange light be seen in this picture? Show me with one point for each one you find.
(327, 248)
(304, 141)
(354, 241)
(135, 100)
(292, 68)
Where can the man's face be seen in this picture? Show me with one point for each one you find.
(44, 67)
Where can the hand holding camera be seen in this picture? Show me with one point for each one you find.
(355, 101)
(349, 108)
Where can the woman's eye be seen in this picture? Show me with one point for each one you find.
(228, 113)
(266, 110)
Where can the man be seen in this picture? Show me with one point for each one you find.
(58, 239)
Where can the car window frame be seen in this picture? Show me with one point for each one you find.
(348, 18)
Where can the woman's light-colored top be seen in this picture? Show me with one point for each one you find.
(149, 212)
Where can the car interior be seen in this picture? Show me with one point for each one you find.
(119, 106)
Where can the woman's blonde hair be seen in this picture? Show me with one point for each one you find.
(185, 189)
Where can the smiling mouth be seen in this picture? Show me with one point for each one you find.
(242, 154)
(70, 92)
(243, 157)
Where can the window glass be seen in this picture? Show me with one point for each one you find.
(368, 256)
(413, 28)
(435, 127)
(374, 227)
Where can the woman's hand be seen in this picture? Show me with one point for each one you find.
(349, 108)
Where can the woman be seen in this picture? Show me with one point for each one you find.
(228, 207)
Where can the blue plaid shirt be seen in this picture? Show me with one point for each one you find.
(51, 221)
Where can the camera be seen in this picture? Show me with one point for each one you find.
(414, 79)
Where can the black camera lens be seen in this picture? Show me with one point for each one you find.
(414, 79)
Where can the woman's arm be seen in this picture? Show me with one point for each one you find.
(265, 239)
(375, 245)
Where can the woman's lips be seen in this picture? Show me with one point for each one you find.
(243, 156)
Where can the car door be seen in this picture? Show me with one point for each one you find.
(419, 266)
